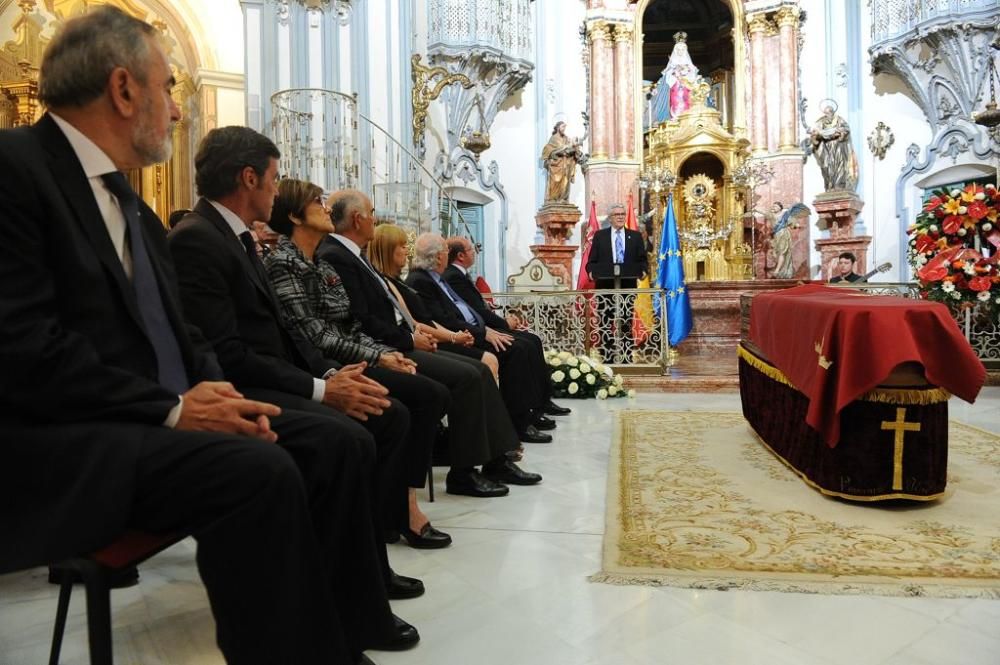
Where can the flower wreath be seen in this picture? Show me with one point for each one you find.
(954, 246)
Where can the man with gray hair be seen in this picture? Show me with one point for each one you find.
(114, 413)
(522, 368)
(616, 251)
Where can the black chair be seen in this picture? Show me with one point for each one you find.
(99, 573)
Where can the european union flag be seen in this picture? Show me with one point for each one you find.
(670, 278)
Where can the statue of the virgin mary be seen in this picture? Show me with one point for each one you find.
(672, 95)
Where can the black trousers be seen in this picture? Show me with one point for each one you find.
(427, 401)
(383, 435)
(541, 373)
(267, 518)
(519, 380)
(479, 427)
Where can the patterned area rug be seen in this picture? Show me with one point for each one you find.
(695, 500)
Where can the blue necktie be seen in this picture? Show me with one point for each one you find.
(170, 364)
(471, 316)
(619, 248)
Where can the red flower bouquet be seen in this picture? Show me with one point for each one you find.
(954, 245)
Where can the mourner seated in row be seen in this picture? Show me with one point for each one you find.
(115, 411)
(524, 375)
(315, 303)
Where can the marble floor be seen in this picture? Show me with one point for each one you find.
(513, 589)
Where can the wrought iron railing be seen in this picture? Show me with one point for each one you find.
(618, 327)
(892, 18)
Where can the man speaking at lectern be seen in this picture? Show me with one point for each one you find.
(617, 260)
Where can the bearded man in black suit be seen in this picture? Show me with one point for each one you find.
(616, 249)
(114, 413)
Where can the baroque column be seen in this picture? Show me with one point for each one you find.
(624, 93)
(602, 91)
(788, 23)
(758, 28)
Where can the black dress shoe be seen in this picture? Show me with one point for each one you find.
(403, 637)
(507, 472)
(429, 538)
(553, 409)
(532, 435)
(401, 587)
(473, 483)
(543, 423)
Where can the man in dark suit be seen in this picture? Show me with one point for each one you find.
(461, 257)
(384, 318)
(225, 291)
(522, 391)
(113, 410)
(616, 249)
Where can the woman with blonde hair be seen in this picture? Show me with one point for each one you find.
(389, 252)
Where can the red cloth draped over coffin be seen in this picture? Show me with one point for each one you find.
(866, 373)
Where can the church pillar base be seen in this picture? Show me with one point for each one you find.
(559, 259)
(557, 219)
(611, 183)
(837, 211)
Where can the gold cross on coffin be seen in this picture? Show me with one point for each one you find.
(900, 427)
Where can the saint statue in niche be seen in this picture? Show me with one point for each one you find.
(830, 141)
(560, 157)
(672, 95)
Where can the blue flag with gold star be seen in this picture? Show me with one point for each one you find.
(670, 278)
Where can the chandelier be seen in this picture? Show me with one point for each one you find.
(657, 179)
(990, 117)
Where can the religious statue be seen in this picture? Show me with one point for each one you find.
(781, 238)
(830, 141)
(560, 157)
(672, 95)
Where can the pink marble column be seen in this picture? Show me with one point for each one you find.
(788, 23)
(602, 78)
(758, 27)
(624, 93)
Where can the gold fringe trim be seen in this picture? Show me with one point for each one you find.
(900, 396)
(888, 588)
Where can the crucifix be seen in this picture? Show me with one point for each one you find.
(900, 427)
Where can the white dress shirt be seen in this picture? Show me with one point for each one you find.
(95, 163)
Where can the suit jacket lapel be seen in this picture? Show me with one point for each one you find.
(208, 211)
(72, 181)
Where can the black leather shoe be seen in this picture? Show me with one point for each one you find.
(403, 637)
(543, 423)
(532, 435)
(553, 409)
(429, 538)
(507, 472)
(401, 587)
(473, 483)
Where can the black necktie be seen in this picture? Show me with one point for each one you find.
(170, 364)
(251, 247)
